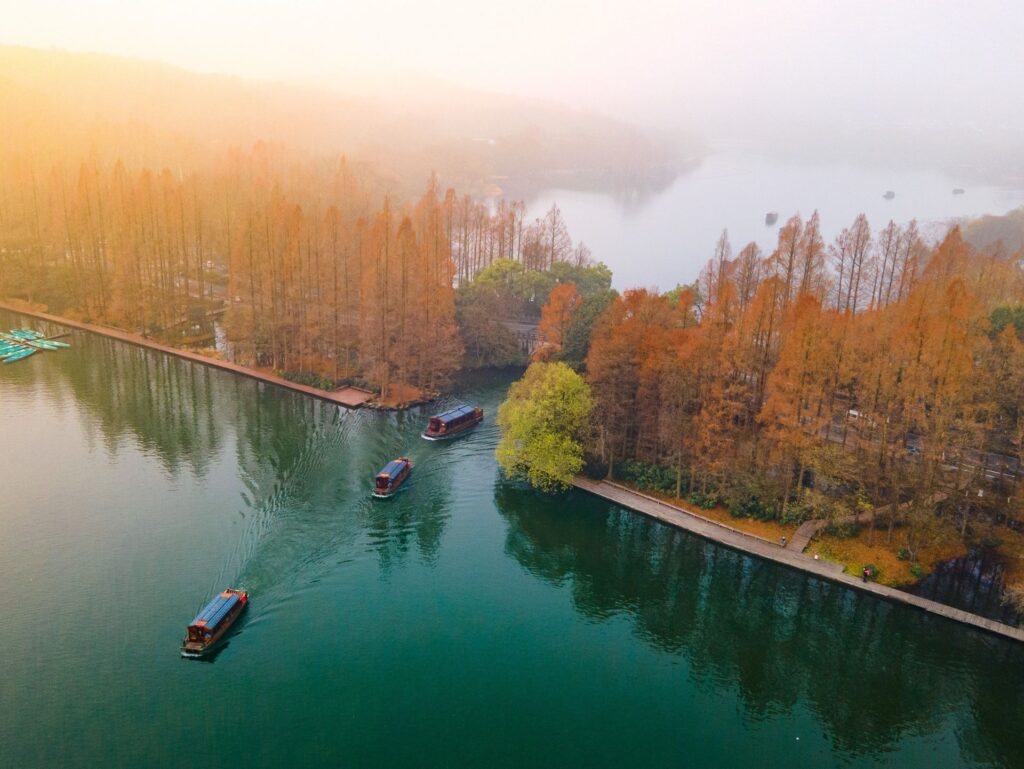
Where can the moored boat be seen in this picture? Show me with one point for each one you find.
(10, 357)
(213, 622)
(453, 422)
(25, 341)
(391, 477)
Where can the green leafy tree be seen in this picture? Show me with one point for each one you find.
(576, 344)
(541, 422)
(590, 279)
(1002, 317)
(486, 339)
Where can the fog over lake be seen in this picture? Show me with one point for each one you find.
(666, 238)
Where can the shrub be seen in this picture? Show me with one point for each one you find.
(749, 506)
(645, 475)
(876, 573)
(904, 555)
(749, 498)
(917, 570)
(798, 513)
(845, 530)
(308, 378)
(704, 501)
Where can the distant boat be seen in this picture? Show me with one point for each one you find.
(770, 218)
(391, 477)
(213, 622)
(889, 195)
(453, 423)
(958, 190)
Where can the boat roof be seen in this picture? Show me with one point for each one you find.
(392, 468)
(455, 413)
(216, 610)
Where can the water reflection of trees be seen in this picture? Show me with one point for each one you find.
(129, 392)
(307, 467)
(872, 672)
(304, 465)
(395, 527)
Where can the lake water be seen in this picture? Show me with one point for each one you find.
(467, 623)
(666, 238)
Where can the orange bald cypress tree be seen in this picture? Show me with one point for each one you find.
(563, 302)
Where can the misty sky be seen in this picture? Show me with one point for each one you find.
(698, 64)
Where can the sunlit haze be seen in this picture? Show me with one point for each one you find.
(555, 383)
(705, 64)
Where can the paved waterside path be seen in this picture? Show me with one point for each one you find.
(762, 548)
(350, 397)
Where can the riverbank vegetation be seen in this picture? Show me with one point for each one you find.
(501, 312)
(195, 224)
(876, 382)
(309, 269)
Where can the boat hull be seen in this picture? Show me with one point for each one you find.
(449, 435)
(11, 358)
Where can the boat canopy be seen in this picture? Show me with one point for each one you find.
(392, 468)
(216, 610)
(455, 413)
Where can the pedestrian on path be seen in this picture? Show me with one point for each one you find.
(783, 541)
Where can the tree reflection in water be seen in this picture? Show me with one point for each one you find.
(303, 465)
(870, 671)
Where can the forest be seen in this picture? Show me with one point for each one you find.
(877, 380)
(210, 211)
(316, 272)
(877, 376)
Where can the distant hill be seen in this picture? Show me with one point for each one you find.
(987, 232)
(159, 114)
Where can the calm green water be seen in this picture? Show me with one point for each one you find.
(467, 623)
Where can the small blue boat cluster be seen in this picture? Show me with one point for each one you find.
(21, 343)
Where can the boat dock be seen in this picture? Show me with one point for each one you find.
(349, 397)
(758, 547)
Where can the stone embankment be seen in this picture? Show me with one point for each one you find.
(350, 397)
(792, 558)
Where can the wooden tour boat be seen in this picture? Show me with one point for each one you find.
(391, 477)
(213, 622)
(453, 423)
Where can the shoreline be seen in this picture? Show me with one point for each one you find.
(651, 507)
(350, 397)
(750, 544)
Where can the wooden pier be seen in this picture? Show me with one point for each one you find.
(791, 558)
(350, 397)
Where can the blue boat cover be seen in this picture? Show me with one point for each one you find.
(393, 468)
(216, 610)
(455, 413)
